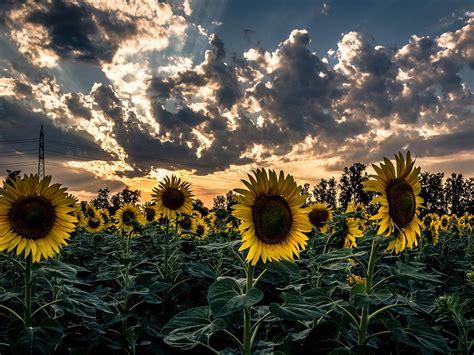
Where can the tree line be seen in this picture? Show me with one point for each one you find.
(455, 194)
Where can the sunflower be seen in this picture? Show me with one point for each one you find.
(150, 213)
(351, 231)
(429, 219)
(79, 216)
(197, 214)
(200, 228)
(35, 217)
(434, 232)
(95, 225)
(320, 214)
(273, 221)
(185, 224)
(400, 201)
(173, 197)
(105, 215)
(455, 221)
(91, 212)
(444, 222)
(127, 215)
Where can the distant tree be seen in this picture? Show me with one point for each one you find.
(351, 187)
(224, 202)
(102, 199)
(305, 191)
(229, 200)
(219, 202)
(470, 195)
(325, 191)
(432, 192)
(458, 193)
(124, 196)
(11, 175)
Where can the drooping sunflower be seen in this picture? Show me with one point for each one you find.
(400, 201)
(126, 216)
(35, 217)
(150, 213)
(95, 225)
(200, 228)
(454, 221)
(353, 279)
(273, 221)
(173, 197)
(350, 232)
(434, 232)
(79, 216)
(319, 215)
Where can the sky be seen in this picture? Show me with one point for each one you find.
(131, 91)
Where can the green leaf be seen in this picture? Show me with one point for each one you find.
(401, 271)
(299, 307)
(35, 340)
(418, 334)
(362, 299)
(225, 296)
(191, 327)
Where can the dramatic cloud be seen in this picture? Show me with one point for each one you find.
(138, 87)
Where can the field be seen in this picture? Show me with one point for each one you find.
(192, 282)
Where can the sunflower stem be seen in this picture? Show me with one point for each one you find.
(28, 284)
(126, 280)
(365, 317)
(247, 344)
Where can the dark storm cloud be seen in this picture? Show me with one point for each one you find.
(18, 123)
(214, 71)
(80, 31)
(76, 107)
(302, 89)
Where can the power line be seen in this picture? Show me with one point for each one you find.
(17, 141)
(138, 155)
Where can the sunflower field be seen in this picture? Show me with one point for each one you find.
(277, 273)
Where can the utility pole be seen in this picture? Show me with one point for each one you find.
(41, 155)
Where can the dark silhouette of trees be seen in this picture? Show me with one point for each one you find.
(11, 175)
(432, 192)
(326, 191)
(102, 199)
(123, 197)
(350, 185)
(224, 202)
(458, 193)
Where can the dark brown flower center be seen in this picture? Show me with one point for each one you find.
(318, 216)
(128, 217)
(186, 223)
(427, 221)
(272, 219)
(173, 198)
(150, 214)
(200, 230)
(444, 222)
(401, 202)
(93, 223)
(32, 217)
